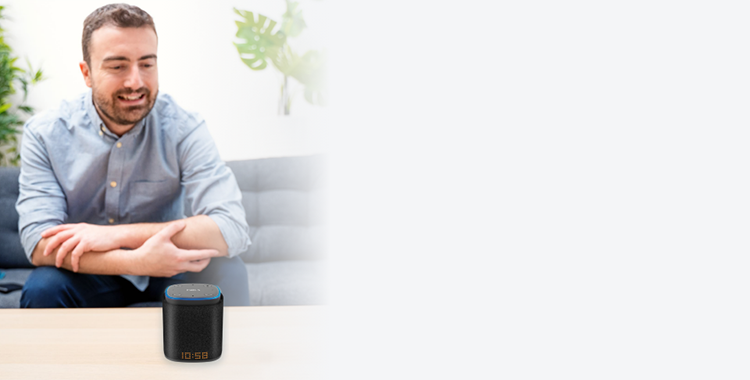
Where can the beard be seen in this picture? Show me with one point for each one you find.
(124, 115)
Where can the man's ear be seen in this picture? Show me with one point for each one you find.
(86, 72)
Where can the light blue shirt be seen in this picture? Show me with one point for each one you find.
(73, 169)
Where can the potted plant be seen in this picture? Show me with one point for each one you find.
(11, 114)
(259, 41)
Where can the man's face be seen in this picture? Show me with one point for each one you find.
(122, 74)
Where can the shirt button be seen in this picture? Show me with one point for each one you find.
(119, 145)
(101, 133)
(111, 220)
(113, 184)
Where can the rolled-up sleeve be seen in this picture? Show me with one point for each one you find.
(41, 202)
(211, 189)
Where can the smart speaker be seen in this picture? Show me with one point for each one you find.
(193, 316)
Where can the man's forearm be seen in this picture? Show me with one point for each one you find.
(200, 232)
(114, 262)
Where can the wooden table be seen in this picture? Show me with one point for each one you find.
(279, 342)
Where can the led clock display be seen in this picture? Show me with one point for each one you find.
(195, 355)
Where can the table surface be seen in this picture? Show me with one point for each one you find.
(268, 342)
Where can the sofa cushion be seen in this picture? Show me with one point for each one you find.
(11, 250)
(287, 283)
(284, 202)
(280, 242)
(18, 276)
(8, 197)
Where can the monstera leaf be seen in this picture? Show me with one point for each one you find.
(285, 60)
(310, 71)
(292, 22)
(259, 42)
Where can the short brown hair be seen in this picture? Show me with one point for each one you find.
(120, 15)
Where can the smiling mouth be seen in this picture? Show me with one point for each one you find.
(131, 98)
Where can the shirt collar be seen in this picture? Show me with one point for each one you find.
(99, 124)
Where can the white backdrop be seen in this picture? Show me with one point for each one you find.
(198, 65)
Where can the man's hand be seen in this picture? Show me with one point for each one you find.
(80, 238)
(159, 257)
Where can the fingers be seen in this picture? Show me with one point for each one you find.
(54, 230)
(64, 249)
(171, 229)
(198, 265)
(57, 240)
(75, 257)
(197, 259)
(199, 254)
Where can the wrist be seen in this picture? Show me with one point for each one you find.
(131, 261)
(125, 236)
(133, 236)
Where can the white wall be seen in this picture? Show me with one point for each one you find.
(198, 65)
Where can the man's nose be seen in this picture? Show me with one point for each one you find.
(134, 80)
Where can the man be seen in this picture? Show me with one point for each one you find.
(104, 179)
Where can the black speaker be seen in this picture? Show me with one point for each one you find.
(193, 316)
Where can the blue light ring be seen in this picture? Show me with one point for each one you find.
(193, 299)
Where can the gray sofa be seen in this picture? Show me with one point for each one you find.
(284, 202)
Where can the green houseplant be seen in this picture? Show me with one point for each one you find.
(260, 41)
(11, 114)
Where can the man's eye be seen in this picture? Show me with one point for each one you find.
(116, 67)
